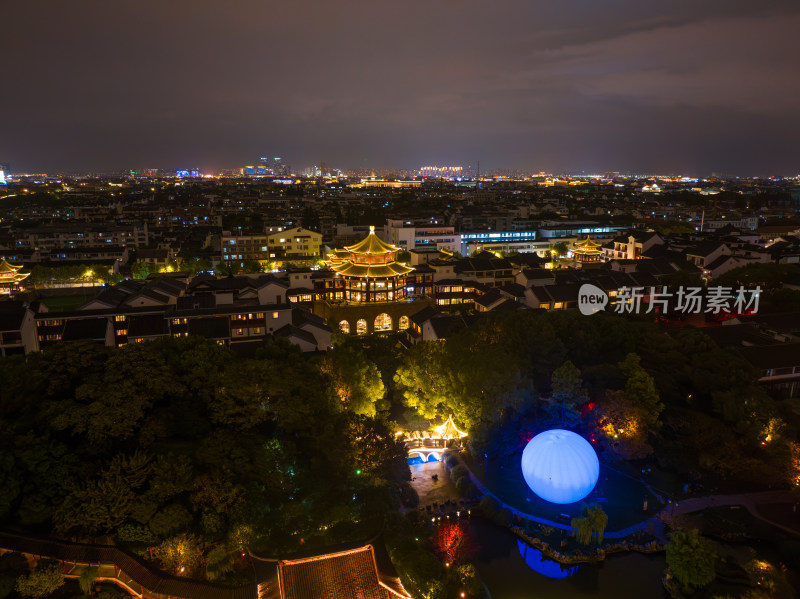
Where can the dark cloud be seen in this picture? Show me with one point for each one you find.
(532, 84)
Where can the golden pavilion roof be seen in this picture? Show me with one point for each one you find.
(448, 430)
(9, 272)
(372, 244)
(6, 267)
(587, 246)
(392, 269)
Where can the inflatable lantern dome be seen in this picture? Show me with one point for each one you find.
(560, 466)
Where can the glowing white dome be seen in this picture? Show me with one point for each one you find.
(560, 466)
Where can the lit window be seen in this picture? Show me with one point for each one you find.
(383, 322)
(275, 315)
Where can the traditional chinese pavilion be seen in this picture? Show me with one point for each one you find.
(10, 278)
(370, 270)
(449, 431)
(587, 251)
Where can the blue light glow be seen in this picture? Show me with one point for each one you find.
(537, 562)
(560, 466)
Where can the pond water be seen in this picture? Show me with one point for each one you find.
(513, 570)
(626, 500)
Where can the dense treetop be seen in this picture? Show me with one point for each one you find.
(181, 443)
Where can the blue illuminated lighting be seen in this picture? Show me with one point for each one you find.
(434, 457)
(560, 466)
(536, 562)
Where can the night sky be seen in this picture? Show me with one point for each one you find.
(693, 86)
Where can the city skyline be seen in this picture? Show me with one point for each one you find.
(568, 88)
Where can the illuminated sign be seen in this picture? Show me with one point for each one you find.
(187, 173)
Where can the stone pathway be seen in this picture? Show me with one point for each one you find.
(429, 490)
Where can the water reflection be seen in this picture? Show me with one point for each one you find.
(422, 458)
(511, 573)
(536, 561)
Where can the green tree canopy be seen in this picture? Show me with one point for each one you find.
(43, 581)
(356, 381)
(690, 559)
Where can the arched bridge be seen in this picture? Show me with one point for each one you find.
(428, 446)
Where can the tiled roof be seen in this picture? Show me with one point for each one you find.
(213, 328)
(392, 269)
(5, 267)
(514, 289)
(149, 294)
(372, 244)
(444, 326)
(490, 297)
(349, 574)
(425, 314)
(85, 328)
(703, 249)
(481, 263)
(12, 315)
(148, 325)
(290, 330)
(538, 273)
(301, 317)
(718, 262)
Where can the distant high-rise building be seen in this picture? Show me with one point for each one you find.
(445, 172)
(272, 166)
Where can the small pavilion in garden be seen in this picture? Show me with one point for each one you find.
(587, 251)
(429, 445)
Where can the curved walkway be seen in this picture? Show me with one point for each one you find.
(747, 500)
(655, 524)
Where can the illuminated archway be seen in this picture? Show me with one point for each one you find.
(433, 457)
(344, 327)
(383, 322)
(361, 327)
(403, 323)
